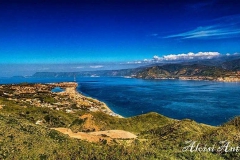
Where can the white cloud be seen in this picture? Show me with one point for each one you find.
(178, 57)
(219, 28)
(97, 66)
(215, 31)
(156, 58)
(190, 55)
(183, 56)
(136, 62)
(79, 67)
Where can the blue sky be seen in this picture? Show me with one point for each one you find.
(76, 32)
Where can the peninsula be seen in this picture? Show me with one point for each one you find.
(42, 95)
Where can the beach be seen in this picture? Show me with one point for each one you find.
(70, 90)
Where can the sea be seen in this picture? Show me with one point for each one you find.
(208, 102)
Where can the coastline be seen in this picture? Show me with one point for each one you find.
(68, 99)
(146, 134)
(218, 79)
(74, 94)
(58, 102)
(198, 78)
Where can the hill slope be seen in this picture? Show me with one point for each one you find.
(26, 133)
(195, 71)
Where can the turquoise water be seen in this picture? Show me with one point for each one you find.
(203, 101)
(57, 89)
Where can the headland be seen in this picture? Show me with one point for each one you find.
(41, 95)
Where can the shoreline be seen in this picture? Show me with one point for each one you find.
(68, 100)
(72, 92)
(219, 79)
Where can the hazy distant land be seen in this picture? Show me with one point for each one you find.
(221, 70)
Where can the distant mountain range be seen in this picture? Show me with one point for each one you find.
(109, 73)
(178, 70)
(232, 65)
(204, 69)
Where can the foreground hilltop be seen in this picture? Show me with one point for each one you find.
(41, 131)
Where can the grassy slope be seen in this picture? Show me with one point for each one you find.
(159, 137)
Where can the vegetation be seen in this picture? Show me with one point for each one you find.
(180, 70)
(159, 137)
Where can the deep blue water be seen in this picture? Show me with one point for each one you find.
(203, 101)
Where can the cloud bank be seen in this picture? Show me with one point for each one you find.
(188, 56)
(179, 57)
(97, 66)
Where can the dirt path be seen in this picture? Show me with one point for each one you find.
(98, 136)
(115, 134)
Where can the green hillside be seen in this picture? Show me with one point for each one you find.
(159, 137)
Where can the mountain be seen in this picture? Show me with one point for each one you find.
(232, 65)
(207, 69)
(179, 70)
(122, 72)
